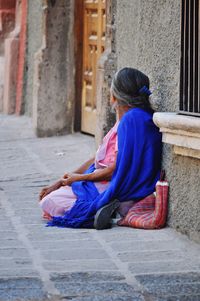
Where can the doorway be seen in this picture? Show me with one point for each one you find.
(93, 44)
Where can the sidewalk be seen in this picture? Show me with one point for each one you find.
(40, 263)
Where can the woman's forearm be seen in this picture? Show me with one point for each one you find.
(96, 176)
(100, 175)
(84, 166)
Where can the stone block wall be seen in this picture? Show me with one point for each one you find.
(148, 38)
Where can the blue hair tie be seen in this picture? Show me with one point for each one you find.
(145, 90)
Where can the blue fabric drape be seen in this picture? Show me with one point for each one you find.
(137, 171)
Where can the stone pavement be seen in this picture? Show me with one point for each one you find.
(41, 263)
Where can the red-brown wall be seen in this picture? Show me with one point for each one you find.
(7, 4)
(7, 17)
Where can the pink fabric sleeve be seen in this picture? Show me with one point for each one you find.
(116, 145)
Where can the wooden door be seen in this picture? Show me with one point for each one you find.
(93, 46)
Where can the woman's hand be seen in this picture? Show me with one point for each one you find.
(45, 191)
(65, 176)
(71, 177)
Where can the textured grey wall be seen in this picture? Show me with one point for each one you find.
(49, 89)
(34, 41)
(148, 38)
(54, 114)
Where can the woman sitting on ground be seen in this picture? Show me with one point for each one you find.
(125, 169)
(58, 198)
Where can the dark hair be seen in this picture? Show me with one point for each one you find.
(127, 87)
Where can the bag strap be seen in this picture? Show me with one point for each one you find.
(162, 175)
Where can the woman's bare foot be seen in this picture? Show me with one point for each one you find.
(47, 216)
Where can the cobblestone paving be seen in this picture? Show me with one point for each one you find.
(41, 263)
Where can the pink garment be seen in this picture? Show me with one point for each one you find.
(106, 152)
(59, 201)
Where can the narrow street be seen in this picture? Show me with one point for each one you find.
(44, 263)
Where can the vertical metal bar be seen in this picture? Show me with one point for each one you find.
(182, 56)
(186, 46)
(196, 56)
(190, 54)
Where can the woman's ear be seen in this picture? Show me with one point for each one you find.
(112, 99)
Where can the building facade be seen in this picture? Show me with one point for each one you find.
(74, 47)
(148, 37)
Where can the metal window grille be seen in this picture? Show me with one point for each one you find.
(190, 59)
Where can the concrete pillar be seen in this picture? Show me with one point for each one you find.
(10, 75)
(1, 81)
(53, 81)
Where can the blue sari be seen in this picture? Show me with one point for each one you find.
(137, 171)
